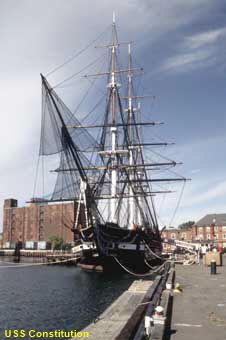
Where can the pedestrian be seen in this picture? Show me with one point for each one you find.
(203, 250)
(220, 247)
(214, 249)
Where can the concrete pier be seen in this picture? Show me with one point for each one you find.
(199, 312)
(110, 324)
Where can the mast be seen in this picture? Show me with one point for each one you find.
(113, 86)
(130, 116)
(140, 171)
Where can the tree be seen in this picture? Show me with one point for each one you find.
(67, 246)
(186, 225)
(57, 242)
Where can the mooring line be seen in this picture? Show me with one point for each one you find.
(35, 264)
(140, 275)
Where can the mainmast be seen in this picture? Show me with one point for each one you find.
(113, 87)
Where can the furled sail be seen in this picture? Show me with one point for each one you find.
(52, 140)
(58, 138)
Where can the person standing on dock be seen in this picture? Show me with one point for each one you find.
(203, 250)
(18, 247)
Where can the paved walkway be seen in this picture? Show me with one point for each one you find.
(199, 312)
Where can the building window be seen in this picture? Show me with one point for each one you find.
(208, 236)
(216, 228)
(224, 236)
(224, 227)
(201, 237)
(200, 229)
(173, 236)
(184, 236)
(207, 228)
(216, 236)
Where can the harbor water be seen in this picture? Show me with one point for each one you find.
(48, 298)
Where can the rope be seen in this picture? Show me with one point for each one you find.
(36, 176)
(147, 264)
(140, 275)
(178, 203)
(77, 54)
(35, 264)
(77, 73)
(155, 255)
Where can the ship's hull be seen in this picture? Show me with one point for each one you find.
(115, 249)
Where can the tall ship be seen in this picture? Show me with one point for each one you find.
(104, 168)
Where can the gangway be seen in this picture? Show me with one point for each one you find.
(192, 248)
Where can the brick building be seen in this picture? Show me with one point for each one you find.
(1, 242)
(37, 222)
(176, 234)
(210, 229)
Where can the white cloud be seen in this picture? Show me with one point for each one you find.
(215, 192)
(195, 52)
(187, 61)
(205, 38)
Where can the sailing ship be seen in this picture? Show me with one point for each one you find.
(103, 169)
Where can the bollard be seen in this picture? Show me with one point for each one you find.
(148, 323)
(213, 267)
(17, 250)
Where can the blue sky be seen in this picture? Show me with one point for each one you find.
(180, 44)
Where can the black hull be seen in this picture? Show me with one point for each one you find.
(131, 263)
(117, 249)
(108, 236)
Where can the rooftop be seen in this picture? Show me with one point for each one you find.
(217, 219)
